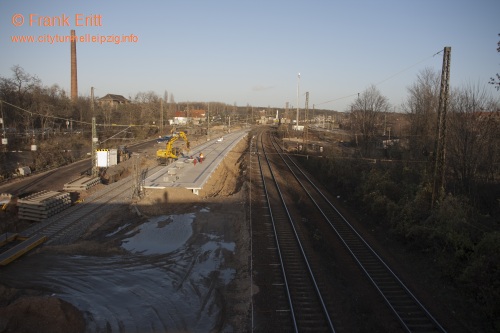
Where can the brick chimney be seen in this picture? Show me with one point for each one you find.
(74, 80)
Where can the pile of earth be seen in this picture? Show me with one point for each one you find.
(40, 314)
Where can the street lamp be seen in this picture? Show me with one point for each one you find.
(298, 85)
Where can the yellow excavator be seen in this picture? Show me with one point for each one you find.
(165, 156)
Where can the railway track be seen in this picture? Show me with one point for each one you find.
(71, 223)
(307, 309)
(28, 185)
(406, 308)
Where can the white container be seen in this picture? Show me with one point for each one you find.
(113, 157)
(102, 158)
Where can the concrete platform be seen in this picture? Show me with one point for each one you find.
(185, 173)
(21, 248)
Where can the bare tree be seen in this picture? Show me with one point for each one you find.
(24, 83)
(61, 105)
(18, 90)
(149, 106)
(421, 107)
(106, 111)
(43, 109)
(473, 138)
(495, 81)
(367, 116)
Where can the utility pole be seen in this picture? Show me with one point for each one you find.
(440, 147)
(136, 185)
(161, 115)
(2, 121)
(208, 122)
(298, 89)
(287, 115)
(92, 101)
(385, 122)
(313, 112)
(95, 170)
(306, 116)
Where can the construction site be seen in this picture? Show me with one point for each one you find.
(202, 193)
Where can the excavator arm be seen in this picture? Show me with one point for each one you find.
(164, 155)
(184, 137)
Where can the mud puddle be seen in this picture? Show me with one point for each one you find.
(165, 282)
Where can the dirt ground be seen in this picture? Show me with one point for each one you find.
(27, 310)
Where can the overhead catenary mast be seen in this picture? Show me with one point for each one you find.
(440, 148)
(95, 169)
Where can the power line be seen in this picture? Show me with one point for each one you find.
(386, 79)
(42, 115)
(407, 68)
(63, 118)
(336, 99)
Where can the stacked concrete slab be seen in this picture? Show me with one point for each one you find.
(42, 205)
(81, 184)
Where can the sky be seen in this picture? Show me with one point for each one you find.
(251, 52)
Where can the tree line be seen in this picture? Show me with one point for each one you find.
(472, 128)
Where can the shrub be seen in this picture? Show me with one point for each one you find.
(481, 277)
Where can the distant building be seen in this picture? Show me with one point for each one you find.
(192, 116)
(112, 100)
(179, 118)
(197, 116)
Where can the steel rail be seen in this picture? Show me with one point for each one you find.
(68, 225)
(411, 313)
(275, 234)
(287, 239)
